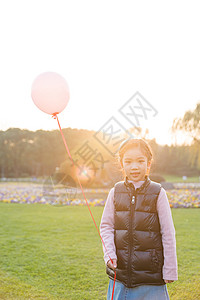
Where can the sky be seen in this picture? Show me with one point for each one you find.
(107, 51)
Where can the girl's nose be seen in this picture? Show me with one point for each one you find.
(134, 166)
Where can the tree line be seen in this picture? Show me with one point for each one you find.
(25, 153)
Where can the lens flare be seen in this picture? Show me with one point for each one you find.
(85, 174)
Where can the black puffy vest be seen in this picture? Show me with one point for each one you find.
(137, 234)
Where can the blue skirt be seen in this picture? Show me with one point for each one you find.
(143, 292)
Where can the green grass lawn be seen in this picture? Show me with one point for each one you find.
(174, 178)
(51, 253)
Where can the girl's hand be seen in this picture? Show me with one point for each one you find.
(112, 265)
(168, 281)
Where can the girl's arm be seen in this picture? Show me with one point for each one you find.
(107, 228)
(170, 269)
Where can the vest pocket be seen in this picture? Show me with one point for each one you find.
(156, 260)
(110, 272)
(149, 260)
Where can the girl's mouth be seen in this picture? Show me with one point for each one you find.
(135, 174)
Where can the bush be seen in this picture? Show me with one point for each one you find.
(157, 177)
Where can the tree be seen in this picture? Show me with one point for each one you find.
(190, 123)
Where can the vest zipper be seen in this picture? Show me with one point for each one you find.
(132, 207)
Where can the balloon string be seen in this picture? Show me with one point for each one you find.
(65, 143)
(113, 287)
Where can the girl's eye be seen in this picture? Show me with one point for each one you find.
(141, 161)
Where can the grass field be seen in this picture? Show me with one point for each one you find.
(55, 253)
(174, 178)
(168, 177)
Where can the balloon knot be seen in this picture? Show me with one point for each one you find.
(54, 115)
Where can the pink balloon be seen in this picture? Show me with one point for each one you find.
(50, 92)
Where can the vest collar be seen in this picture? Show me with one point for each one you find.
(131, 185)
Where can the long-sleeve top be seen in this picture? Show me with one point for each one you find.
(170, 268)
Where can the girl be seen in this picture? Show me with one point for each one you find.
(138, 230)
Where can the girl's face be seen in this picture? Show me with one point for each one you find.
(135, 164)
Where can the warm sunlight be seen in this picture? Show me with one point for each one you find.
(77, 78)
